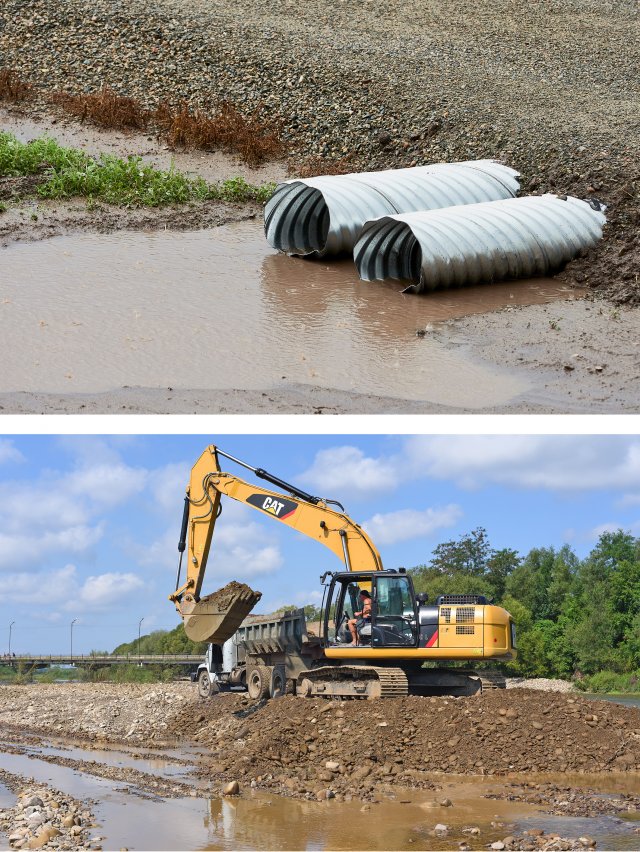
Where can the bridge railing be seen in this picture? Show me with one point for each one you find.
(110, 659)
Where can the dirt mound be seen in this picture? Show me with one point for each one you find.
(314, 748)
(224, 597)
(305, 747)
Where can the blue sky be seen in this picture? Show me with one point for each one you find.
(89, 525)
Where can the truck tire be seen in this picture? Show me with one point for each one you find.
(278, 686)
(259, 682)
(206, 687)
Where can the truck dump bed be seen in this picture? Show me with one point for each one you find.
(277, 633)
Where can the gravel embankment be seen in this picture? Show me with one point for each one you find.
(552, 90)
(325, 749)
(43, 817)
(127, 712)
(309, 747)
(545, 684)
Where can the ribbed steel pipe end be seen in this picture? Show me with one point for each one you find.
(324, 215)
(296, 219)
(477, 243)
(386, 249)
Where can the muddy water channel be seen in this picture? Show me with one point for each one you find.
(219, 309)
(130, 815)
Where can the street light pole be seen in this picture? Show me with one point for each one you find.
(10, 626)
(72, 623)
(139, 628)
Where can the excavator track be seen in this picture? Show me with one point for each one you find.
(353, 682)
(491, 680)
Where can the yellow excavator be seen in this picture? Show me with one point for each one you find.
(395, 647)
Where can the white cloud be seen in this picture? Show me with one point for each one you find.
(63, 587)
(628, 500)
(105, 589)
(601, 529)
(167, 485)
(345, 470)
(405, 524)
(16, 549)
(52, 587)
(105, 485)
(560, 463)
(60, 513)
(241, 548)
(9, 452)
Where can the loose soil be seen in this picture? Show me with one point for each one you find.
(286, 744)
(440, 756)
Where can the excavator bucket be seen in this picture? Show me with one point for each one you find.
(216, 617)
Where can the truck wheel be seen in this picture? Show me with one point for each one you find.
(258, 682)
(278, 683)
(205, 686)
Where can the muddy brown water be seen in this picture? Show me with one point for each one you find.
(256, 820)
(220, 309)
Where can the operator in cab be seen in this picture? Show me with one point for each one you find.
(362, 617)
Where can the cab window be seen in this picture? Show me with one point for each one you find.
(395, 613)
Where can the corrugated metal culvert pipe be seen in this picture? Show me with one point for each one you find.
(516, 238)
(324, 215)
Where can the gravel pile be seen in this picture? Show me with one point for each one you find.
(550, 91)
(546, 684)
(567, 801)
(315, 748)
(44, 818)
(128, 712)
(528, 841)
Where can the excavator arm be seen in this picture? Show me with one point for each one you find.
(298, 510)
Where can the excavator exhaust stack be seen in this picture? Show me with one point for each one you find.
(216, 617)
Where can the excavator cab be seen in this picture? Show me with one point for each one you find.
(394, 621)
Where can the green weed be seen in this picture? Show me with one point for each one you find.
(67, 173)
(608, 681)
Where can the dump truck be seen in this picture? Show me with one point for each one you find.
(403, 645)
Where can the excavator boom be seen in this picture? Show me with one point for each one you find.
(215, 618)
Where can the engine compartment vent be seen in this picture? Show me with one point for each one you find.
(465, 614)
(445, 600)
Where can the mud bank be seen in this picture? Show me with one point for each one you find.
(106, 309)
(528, 770)
(31, 218)
(400, 740)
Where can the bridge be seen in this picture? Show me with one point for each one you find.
(39, 660)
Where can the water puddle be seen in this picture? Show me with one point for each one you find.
(260, 821)
(155, 765)
(627, 700)
(220, 309)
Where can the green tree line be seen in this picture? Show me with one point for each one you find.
(173, 641)
(575, 618)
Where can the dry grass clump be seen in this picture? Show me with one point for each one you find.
(254, 139)
(12, 87)
(316, 166)
(106, 108)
